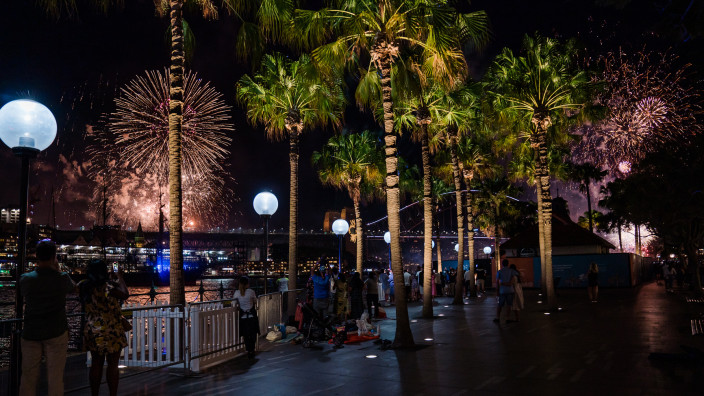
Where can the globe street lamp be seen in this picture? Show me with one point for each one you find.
(387, 239)
(27, 127)
(265, 204)
(340, 228)
(487, 250)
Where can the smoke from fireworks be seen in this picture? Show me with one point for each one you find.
(129, 154)
(649, 104)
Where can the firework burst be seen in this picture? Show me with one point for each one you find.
(129, 153)
(649, 104)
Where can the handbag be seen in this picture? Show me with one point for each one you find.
(126, 325)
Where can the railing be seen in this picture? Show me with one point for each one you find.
(214, 335)
(157, 336)
(199, 336)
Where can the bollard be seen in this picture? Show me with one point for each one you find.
(222, 291)
(201, 290)
(152, 293)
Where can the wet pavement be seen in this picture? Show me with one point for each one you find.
(586, 348)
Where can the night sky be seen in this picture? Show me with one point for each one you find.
(76, 66)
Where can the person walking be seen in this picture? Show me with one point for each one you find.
(103, 332)
(480, 274)
(356, 302)
(593, 282)
(518, 294)
(504, 288)
(45, 330)
(249, 322)
(372, 288)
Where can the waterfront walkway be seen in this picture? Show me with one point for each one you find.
(586, 348)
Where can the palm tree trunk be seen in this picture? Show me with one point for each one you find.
(427, 225)
(620, 242)
(359, 232)
(470, 239)
(293, 207)
(589, 207)
(460, 217)
(544, 177)
(177, 292)
(541, 239)
(403, 336)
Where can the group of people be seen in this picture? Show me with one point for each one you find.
(45, 331)
(342, 294)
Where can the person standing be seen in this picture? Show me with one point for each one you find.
(407, 284)
(356, 302)
(103, 333)
(282, 282)
(249, 322)
(466, 283)
(420, 276)
(385, 285)
(480, 274)
(321, 291)
(341, 303)
(593, 282)
(504, 287)
(45, 329)
(518, 294)
(372, 295)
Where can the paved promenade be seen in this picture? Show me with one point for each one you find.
(587, 348)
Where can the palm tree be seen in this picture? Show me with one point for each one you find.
(455, 112)
(494, 206)
(378, 30)
(539, 87)
(352, 161)
(475, 163)
(289, 97)
(584, 175)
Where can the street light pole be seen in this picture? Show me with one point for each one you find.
(340, 228)
(266, 251)
(265, 204)
(387, 239)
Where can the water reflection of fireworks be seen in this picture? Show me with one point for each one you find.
(129, 153)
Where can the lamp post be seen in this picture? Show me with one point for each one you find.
(265, 204)
(27, 127)
(387, 239)
(340, 228)
(487, 250)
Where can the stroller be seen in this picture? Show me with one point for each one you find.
(317, 328)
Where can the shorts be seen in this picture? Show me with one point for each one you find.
(506, 299)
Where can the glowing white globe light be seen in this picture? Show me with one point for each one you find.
(265, 204)
(340, 227)
(26, 123)
(387, 237)
(457, 247)
(432, 244)
(487, 250)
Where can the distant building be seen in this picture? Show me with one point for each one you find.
(9, 215)
(567, 238)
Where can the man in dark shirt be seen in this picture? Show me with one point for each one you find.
(480, 273)
(45, 330)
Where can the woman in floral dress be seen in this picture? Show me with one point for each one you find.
(103, 334)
